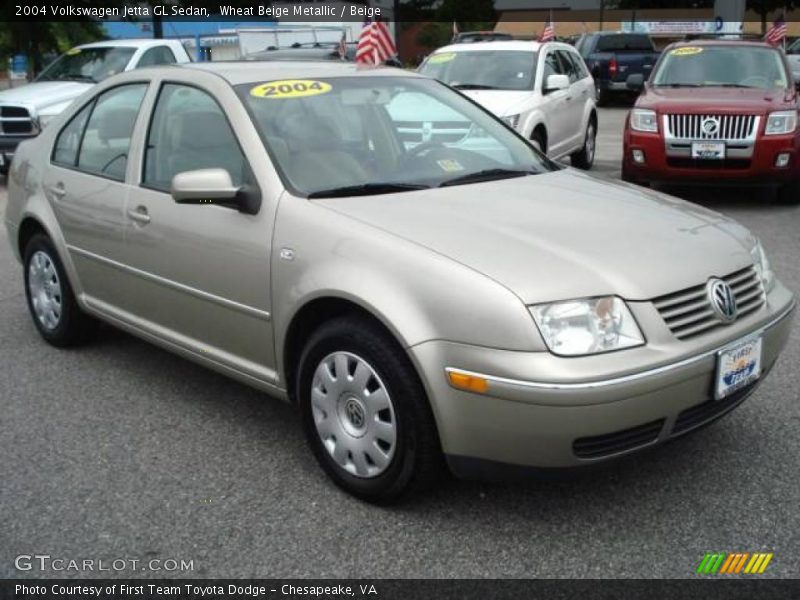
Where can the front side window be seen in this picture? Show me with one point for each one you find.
(382, 134)
(189, 131)
(88, 64)
(107, 138)
(569, 66)
(552, 66)
(483, 69)
(722, 66)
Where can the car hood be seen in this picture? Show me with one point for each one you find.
(564, 235)
(498, 102)
(715, 99)
(42, 94)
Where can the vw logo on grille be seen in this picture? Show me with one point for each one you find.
(722, 300)
(710, 126)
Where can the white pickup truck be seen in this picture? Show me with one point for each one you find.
(25, 110)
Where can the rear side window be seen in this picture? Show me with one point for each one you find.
(65, 151)
(189, 131)
(160, 55)
(107, 138)
(625, 43)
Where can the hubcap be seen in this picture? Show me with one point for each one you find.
(44, 288)
(353, 414)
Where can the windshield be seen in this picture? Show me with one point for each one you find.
(371, 135)
(722, 66)
(483, 69)
(88, 64)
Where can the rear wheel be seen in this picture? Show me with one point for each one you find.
(365, 412)
(584, 158)
(51, 302)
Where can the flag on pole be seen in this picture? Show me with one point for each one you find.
(777, 33)
(342, 49)
(375, 45)
(549, 33)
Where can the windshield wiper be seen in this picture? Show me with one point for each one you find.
(367, 189)
(473, 86)
(735, 85)
(487, 175)
(678, 85)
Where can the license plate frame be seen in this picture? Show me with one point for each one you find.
(738, 365)
(709, 150)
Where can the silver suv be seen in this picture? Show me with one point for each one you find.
(466, 302)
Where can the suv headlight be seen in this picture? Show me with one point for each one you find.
(643, 119)
(588, 326)
(761, 263)
(512, 121)
(784, 121)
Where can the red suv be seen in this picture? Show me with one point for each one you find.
(716, 112)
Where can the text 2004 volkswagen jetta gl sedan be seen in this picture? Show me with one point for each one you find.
(418, 300)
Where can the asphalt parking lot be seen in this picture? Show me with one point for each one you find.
(120, 450)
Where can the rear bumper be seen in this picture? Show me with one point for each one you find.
(757, 169)
(522, 422)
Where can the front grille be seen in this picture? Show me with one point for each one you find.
(728, 127)
(16, 120)
(708, 165)
(688, 313)
(619, 441)
(445, 132)
(708, 411)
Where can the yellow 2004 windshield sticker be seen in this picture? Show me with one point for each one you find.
(441, 58)
(290, 88)
(686, 51)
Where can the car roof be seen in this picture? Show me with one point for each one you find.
(719, 42)
(237, 72)
(133, 43)
(507, 45)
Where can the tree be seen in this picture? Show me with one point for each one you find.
(764, 7)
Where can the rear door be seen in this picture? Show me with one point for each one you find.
(86, 183)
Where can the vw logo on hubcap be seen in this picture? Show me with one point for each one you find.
(722, 300)
(354, 413)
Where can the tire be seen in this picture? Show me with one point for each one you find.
(584, 158)
(789, 193)
(51, 302)
(379, 464)
(539, 140)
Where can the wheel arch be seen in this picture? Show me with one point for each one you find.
(29, 227)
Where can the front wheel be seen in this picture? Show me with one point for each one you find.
(51, 302)
(584, 158)
(365, 412)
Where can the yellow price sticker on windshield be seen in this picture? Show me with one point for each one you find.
(73, 52)
(290, 88)
(441, 58)
(686, 51)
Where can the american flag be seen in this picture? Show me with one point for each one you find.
(777, 33)
(375, 45)
(549, 33)
(342, 48)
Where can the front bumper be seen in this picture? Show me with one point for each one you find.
(527, 419)
(753, 164)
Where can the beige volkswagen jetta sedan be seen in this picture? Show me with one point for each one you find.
(425, 300)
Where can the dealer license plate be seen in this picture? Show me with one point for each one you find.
(737, 367)
(708, 150)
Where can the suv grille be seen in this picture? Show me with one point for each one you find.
(16, 120)
(727, 127)
(688, 313)
(445, 132)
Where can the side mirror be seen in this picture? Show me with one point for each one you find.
(205, 186)
(555, 83)
(635, 82)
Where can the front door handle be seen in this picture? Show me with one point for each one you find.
(140, 215)
(57, 190)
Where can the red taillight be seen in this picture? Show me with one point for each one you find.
(613, 67)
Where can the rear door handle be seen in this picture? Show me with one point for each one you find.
(139, 214)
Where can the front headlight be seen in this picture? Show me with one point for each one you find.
(512, 121)
(644, 120)
(588, 326)
(784, 121)
(761, 263)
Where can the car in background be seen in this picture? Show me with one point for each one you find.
(612, 57)
(793, 55)
(313, 51)
(542, 90)
(469, 37)
(716, 113)
(26, 110)
(478, 307)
